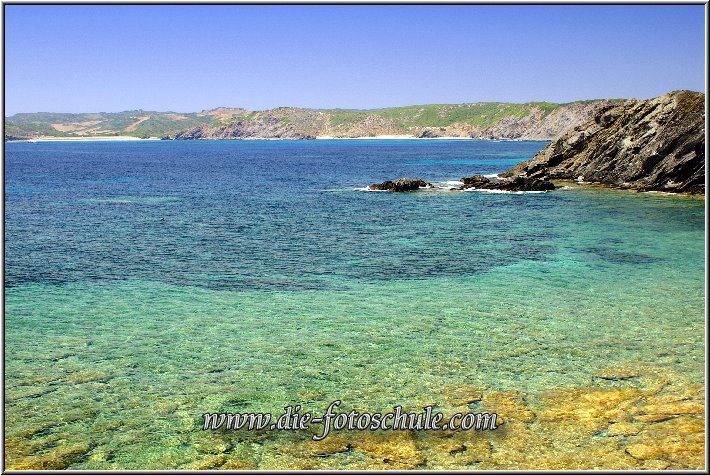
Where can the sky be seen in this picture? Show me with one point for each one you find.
(186, 58)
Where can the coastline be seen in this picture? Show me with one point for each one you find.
(87, 138)
(104, 138)
(589, 185)
(393, 137)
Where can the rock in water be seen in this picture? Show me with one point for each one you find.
(656, 144)
(518, 183)
(475, 181)
(401, 184)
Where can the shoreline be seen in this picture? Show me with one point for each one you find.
(592, 185)
(393, 137)
(88, 138)
(323, 137)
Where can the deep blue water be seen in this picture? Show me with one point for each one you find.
(257, 214)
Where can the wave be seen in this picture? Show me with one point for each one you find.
(503, 192)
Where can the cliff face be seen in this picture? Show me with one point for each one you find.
(655, 144)
(260, 127)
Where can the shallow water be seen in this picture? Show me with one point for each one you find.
(148, 283)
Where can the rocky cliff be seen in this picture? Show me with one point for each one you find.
(653, 145)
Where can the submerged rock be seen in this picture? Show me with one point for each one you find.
(401, 184)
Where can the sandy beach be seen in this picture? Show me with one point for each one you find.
(87, 138)
(104, 138)
(390, 137)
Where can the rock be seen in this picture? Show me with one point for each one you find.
(586, 411)
(524, 184)
(651, 418)
(207, 463)
(615, 374)
(333, 444)
(428, 134)
(623, 428)
(394, 449)
(518, 183)
(461, 395)
(680, 440)
(57, 458)
(453, 453)
(401, 184)
(237, 464)
(475, 181)
(13, 138)
(651, 145)
(644, 451)
(509, 406)
(207, 443)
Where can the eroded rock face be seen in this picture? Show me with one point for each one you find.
(656, 144)
(518, 183)
(269, 127)
(475, 181)
(401, 184)
(428, 134)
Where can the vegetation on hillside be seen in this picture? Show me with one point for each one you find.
(405, 120)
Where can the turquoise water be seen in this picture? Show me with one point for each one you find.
(148, 283)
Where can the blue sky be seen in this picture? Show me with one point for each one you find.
(103, 58)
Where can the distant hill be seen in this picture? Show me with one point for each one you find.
(490, 120)
(137, 123)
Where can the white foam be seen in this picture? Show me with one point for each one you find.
(503, 192)
(366, 188)
(447, 185)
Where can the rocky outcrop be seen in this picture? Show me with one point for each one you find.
(539, 125)
(478, 182)
(428, 134)
(268, 127)
(401, 184)
(13, 138)
(651, 145)
(561, 119)
(518, 183)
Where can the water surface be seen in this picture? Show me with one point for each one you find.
(149, 282)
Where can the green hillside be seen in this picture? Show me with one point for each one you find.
(403, 120)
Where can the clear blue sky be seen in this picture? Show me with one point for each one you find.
(103, 58)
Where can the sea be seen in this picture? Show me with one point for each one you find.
(149, 282)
